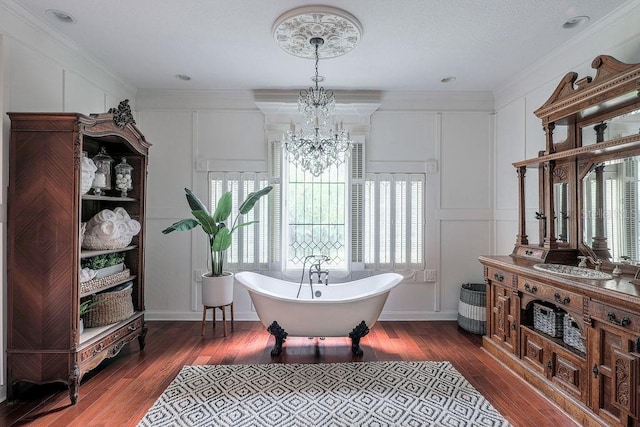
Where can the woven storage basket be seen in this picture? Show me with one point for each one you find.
(571, 334)
(94, 285)
(112, 307)
(548, 319)
(95, 243)
(472, 311)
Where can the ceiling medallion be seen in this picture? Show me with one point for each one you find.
(340, 30)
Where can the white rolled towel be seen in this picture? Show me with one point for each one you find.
(103, 215)
(121, 214)
(107, 230)
(133, 227)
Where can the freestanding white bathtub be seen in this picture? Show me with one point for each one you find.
(341, 309)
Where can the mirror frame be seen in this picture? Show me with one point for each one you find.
(576, 104)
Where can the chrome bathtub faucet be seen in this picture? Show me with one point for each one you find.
(316, 270)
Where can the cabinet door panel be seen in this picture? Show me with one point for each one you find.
(504, 319)
(533, 350)
(569, 373)
(615, 374)
(625, 378)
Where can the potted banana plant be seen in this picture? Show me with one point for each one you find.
(217, 284)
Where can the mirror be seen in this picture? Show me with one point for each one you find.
(611, 196)
(588, 177)
(561, 204)
(625, 124)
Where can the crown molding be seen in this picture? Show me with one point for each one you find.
(621, 23)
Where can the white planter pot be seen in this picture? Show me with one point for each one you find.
(217, 291)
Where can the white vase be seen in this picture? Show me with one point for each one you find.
(217, 291)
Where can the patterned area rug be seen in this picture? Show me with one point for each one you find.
(337, 394)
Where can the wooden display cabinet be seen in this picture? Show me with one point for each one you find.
(46, 209)
(580, 180)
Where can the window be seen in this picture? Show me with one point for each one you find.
(316, 221)
(373, 221)
(250, 244)
(394, 221)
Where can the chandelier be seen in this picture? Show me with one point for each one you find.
(321, 141)
(316, 146)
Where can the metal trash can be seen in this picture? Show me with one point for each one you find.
(472, 311)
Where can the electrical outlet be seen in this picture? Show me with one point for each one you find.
(430, 276)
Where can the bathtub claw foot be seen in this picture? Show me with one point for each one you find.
(280, 335)
(358, 332)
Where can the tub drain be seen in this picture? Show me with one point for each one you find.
(318, 294)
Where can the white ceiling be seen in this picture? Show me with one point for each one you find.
(407, 45)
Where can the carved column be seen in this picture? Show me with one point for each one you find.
(522, 239)
(599, 241)
(600, 131)
(548, 128)
(549, 209)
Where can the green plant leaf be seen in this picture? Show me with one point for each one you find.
(244, 224)
(223, 210)
(194, 203)
(222, 241)
(182, 225)
(208, 224)
(252, 198)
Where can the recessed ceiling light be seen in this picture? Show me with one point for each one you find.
(575, 21)
(449, 79)
(61, 16)
(183, 77)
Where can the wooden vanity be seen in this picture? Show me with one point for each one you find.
(587, 205)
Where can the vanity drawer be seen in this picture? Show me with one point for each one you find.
(530, 252)
(614, 316)
(561, 298)
(500, 276)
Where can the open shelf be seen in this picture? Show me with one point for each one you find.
(87, 253)
(93, 334)
(108, 198)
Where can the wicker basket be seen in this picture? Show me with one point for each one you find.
(95, 243)
(112, 307)
(95, 285)
(548, 319)
(571, 335)
(472, 312)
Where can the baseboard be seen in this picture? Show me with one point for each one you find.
(252, 316)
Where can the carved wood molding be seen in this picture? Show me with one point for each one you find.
(578, 94)
(122, 115)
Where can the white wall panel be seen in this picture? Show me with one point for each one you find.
(402, 136)
(465, 158)
(509, 148)
(506, 232)
(534, 134)
(461, 243)
(81, 96)
(170, 160)
(229, 135)
(34, 81)
(168, 276)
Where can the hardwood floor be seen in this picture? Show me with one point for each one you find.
(121, 394)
